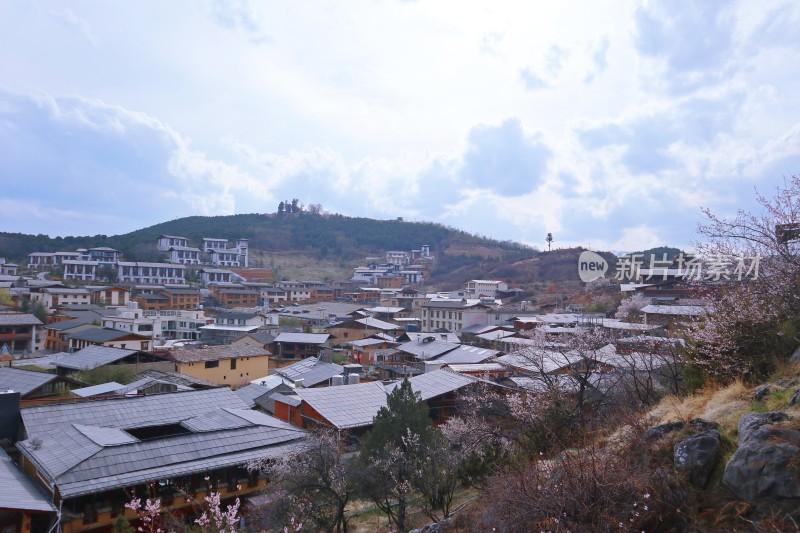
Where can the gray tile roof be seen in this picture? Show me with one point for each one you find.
(346, 406)
(145, 382)
(23, 381)
(103, 436)
(74, 323)
(178, 379)
(130, 412)
(449, 337)
(215, 353)
(94, 468)
(675, 310)
(377, 324)
(498, 334)
(427, 350)
(302, 338)
(47, 361)
(95, 390)
(249, 393)
(468, 355)
(288, 399)
(19, 319)
(436, 383)
(98, 334)
(17, 492)
(93, 356)
(262, 336)
(311, 370)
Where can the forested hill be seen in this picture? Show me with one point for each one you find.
(324, 235)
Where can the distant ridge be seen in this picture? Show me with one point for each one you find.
(324, 235)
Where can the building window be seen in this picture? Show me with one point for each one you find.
(233, 364)
(212, 364)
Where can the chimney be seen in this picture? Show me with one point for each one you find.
(9, 415)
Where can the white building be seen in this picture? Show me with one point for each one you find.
(215, 275)
(163, 324)
(226, 258)
(53, 297)
(210, 244)
(165, 242)
(184, 255)
(80, 270)
(454, 315)
(150, 273)
(398, 257)
(103, 255)
(484, 287)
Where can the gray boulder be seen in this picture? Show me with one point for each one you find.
(698, 455)
(761, 392)
(764, 465)
(661, 430)
(701, 424)
(795, 397)
(433, 527)
(752, 425)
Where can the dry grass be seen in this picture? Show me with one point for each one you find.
(720, 404)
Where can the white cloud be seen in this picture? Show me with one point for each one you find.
(629, 116)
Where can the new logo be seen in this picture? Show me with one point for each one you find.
(591, 266)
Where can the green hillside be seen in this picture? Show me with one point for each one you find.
(324, 236)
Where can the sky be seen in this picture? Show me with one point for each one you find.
(606, 123)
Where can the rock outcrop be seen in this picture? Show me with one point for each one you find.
(698, 455)
(765, 467)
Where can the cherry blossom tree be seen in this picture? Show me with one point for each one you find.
(313, 482)
(214, 519)
(756, 311)
(630, 307)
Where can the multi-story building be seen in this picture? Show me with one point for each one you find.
(151, 273)
(288, 348)
(162, 324)
(165, 242)
(103, 255)
(18, 331)
(224, 365)
(215, 275)
(182, 324)
(483, 287)
(109, 296)
(235, 296)
(42, 260)
(210, 244)
(112, 338)
(453, 315)
(54, 297)
(8, 269)
(132, 319)
(184, 255)
(181, 297)
(242, 247)
(222, 253)
(227, 258)
(398, 257)
(80, 270)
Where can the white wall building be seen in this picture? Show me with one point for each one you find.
(165, 242)
(484, 287)
(151, 273)
(75, 269)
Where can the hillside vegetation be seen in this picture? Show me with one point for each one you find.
(324, 235)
